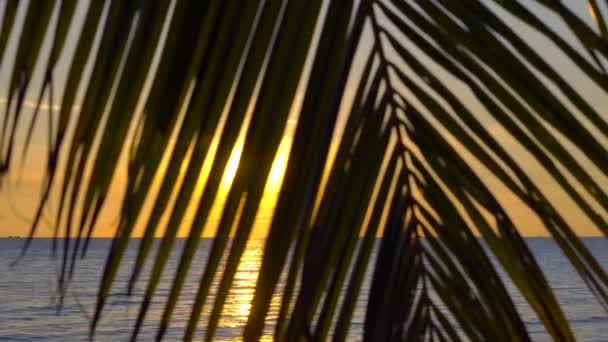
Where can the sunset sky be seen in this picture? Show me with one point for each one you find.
(20, 191)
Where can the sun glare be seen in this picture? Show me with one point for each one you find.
(591, 11)
(277, 170)
(275, 178)
(231, 167)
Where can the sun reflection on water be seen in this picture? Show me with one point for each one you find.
(238, 304)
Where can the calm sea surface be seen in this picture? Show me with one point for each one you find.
(27, 312)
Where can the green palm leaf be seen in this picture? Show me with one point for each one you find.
(394, 171)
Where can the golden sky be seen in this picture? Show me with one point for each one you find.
(20, 191)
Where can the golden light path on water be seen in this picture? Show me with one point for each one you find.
(238, 304)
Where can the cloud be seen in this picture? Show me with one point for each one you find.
(29, 104)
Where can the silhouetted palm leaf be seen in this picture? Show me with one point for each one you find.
(417, 85)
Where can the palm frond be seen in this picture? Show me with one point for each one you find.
(407, 94)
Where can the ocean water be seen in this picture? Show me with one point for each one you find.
(27, 310)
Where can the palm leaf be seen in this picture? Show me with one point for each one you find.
(404, 92)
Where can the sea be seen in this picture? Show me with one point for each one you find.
(28, 310)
